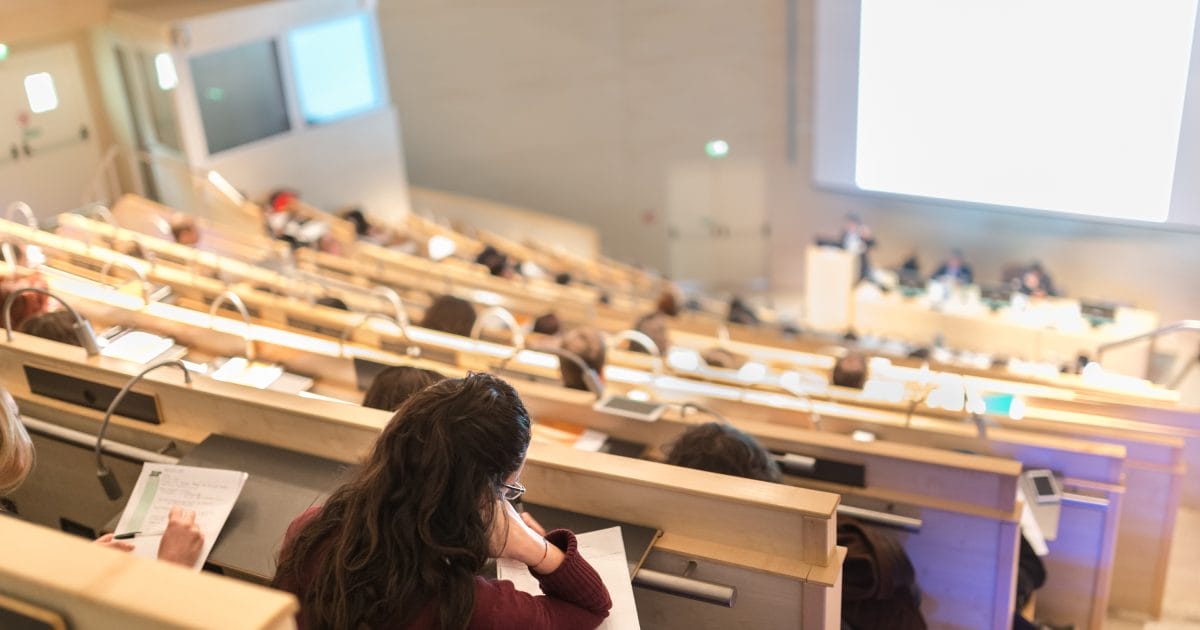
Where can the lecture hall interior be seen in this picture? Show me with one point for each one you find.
(539, 314)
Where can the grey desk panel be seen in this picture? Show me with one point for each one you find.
(282, 484)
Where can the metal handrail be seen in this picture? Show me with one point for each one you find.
(504, 316)
(1187, 324)
(236, 301)
(25, 210)
(591, 380)
(643, 340)
(106, 170)
(1153, 335)
(349, 331)
(123, 261)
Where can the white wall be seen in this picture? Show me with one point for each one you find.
(581, 107)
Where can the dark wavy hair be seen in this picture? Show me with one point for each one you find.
(396, 384)
(411, 529)
(721, 448)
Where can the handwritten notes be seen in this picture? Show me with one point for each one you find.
(209, 492)
(603, 549)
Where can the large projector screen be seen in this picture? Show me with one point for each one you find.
(1080, 106)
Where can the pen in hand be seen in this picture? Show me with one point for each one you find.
(128, 535)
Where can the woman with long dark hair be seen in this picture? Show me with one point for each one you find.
(400, 545)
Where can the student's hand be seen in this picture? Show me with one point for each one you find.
(533, 524)
(107, 541)
(182, 541)
(514, 537)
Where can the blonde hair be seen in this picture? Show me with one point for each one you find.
(16, 449)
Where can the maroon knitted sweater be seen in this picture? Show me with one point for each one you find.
(574, 595)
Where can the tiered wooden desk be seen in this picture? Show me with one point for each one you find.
(781, 539)
(92, 588)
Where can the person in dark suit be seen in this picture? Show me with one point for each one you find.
(955, 268)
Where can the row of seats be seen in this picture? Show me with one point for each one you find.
(750, 412)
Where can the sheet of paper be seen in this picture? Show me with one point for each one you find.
(209, 492)
(604, 549)
(1030, 527)
(591, 440)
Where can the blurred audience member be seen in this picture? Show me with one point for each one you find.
(587, 343)
(498, 263)
(547, 324)
(655, 327)
(667, 303)
(332, 302)
(850, 371)
(26, 305)
(55, 326)
(450, 314)
(392, 387)
(183, 228)
(741, 313)
(721, 448)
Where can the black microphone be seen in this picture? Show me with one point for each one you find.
(112, 488)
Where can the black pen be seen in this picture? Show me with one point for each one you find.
(128, 535)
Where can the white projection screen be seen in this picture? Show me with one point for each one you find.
(1089, 107)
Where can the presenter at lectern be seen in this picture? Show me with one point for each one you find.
(856, 238)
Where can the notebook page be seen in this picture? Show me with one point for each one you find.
(603, 549)
(209, 492)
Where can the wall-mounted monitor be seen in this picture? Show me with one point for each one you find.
(1087, 107)
(334, 67)
(241, 96)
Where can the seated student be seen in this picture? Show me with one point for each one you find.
(327, 243)
(722, 448)
(498, 263)
(394, 385)
(27, 304)
(954, 269)
(722, 358)
(547, 324)
(741, 313)
(362, 227)
(850, 371)
(879, 583)
(667, 303)
(55, 326)
(332, 302)
(587, 343)
(450, 314)
(401, 544)
(655, 327)
(183, 228)
(181, 542)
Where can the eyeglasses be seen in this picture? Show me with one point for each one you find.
(513, 491)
